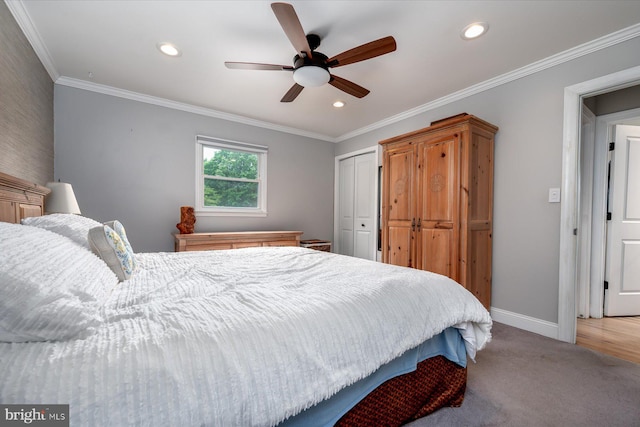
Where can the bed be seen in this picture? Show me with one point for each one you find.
(245, 337)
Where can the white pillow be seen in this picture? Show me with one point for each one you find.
(112, 249)
(50, 288)
(75, 227)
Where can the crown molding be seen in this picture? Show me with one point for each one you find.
(17, 9)
(24, 21)
(189, 108)
(535, 67)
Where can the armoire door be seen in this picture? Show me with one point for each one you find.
(437, 212)
(399, 206)
(357, 210)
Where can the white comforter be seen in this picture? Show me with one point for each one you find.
(237, 338)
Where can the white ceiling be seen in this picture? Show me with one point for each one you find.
(110, 46)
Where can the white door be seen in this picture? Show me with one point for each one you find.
(357, 210)
(364, 239)
(622, 298)
(346, 197)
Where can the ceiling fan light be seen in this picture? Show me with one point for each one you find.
(311, 76)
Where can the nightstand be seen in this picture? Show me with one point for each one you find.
(317, 244)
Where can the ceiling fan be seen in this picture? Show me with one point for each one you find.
(311, 68)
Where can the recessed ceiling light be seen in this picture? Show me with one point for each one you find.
(474, 30)
(338, 104)
(168, 49)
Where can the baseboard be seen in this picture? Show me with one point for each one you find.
(527, 323)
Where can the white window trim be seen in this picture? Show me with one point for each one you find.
(260, 150)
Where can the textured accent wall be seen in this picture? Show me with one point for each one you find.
(26, 106)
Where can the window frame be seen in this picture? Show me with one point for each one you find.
(224, 144)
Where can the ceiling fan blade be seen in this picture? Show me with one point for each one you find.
(286, 15)
(292, 93)
(256, 66)
(348, 87)
(364, 52)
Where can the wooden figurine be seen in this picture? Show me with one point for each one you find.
(187, 220)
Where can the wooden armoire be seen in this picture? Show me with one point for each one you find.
(437, 201)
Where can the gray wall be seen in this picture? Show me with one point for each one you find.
(614, 102)
(528, 157)
(26, 106)
(135, 162)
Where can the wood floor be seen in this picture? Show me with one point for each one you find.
(616, 336)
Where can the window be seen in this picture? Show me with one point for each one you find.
(231, 178)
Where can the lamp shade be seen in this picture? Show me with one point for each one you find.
(61, 199)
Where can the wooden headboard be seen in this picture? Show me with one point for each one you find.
(20, 199)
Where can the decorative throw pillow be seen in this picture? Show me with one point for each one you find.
(119, 228)
(50, 287)
(75, 227)
(109, 246)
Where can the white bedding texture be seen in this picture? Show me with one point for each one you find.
(237, 337)
(50, 287)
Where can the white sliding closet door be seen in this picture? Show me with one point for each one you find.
(357, 210)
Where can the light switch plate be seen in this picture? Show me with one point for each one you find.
(554, 195)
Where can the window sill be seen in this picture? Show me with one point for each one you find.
(257, 213)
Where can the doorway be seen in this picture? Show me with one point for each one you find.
(596, 157)
(571, 210)
(596, 328)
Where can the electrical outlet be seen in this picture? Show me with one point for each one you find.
(554, 195)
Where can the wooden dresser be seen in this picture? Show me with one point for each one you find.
(235, 240)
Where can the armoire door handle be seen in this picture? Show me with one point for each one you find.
(419, 224)
(413, 224)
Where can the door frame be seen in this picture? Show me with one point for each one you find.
(569, 210)
(336, 196)
(587, 158)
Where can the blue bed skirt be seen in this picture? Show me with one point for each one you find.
(448, 343)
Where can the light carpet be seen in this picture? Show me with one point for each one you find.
(524, 379)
